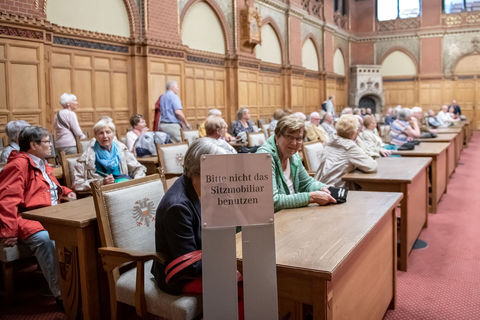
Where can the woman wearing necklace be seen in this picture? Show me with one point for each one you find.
(105, 159)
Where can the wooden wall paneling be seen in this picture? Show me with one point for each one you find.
(447, 91)
(22, 82)
(297, 94)
(313, 98)
(160, 71)
(400, 92)
(102, 83)
(465, 96)
(205, 88)
(272, 98)
(341, 98)
(430, 94)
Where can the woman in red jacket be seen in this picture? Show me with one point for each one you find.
(27, 182)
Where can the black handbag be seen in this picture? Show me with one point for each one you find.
(406, 146)
(339, 194)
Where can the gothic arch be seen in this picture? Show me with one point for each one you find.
(344, 61)
(132, 14)
(316, 46)
(271, 22)
(227, 34)
(402, 50)
(472, 54)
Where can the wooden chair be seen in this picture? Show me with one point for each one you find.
(82, 144)
(8, 257)
(68, 162)
(170, 158)
(189, 135)
(312, 152)
(126, 222)
(255, 139)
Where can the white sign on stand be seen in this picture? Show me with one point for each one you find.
(237, 191)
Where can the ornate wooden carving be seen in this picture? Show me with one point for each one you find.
(251, 24)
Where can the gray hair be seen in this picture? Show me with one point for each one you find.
(300, 115)
(241, 111)
(67, 98)
(13, 129)
(103, 123)
(314, 114)
(31, 134)
(213, 123)
(171, 84)
(417, 109)
(214, 112)
(191, 164)
(404, 114)
(347, 110)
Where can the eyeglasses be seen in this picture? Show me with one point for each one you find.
(46, 141)
(291, 138)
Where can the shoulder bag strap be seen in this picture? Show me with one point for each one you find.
(181, 263)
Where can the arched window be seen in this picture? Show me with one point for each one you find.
(309, 56)
(201, 29)
(106, 16)
(269, 50)
(455, 6)
(398, 63)
(393, 9)
(338, 63)
(468, 65)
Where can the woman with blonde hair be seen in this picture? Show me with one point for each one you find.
(342, 154)
(292, 186)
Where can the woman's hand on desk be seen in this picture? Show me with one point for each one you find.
(108, 179)
(321, 197)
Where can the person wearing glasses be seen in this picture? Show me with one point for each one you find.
(343, 155)
(27, 182)
(292, 186)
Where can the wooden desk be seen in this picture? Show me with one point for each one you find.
(340, 258)
(410, 177)
(438, 168)
(458, 141)
(73, 226)
(451, 138)
(151, 163)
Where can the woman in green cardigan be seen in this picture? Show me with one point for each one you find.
(292, 186)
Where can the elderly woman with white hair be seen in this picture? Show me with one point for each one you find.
(216, 128)
(343, 155)
(12, 130)
(178, 222)
(106, 160)
(66, 125)
(242, 124)
(401, 131)
(213, 113)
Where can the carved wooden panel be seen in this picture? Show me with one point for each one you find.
(430, 94)
(22, 82)
(160, 71)
(305, 94)
(399, 92)
(100, 81)
(205, 88)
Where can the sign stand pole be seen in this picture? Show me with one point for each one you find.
(219, 272)
(259, 272)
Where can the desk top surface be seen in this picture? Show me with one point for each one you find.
(317, 239)
(78, 213)
(389, 170)
(151, 159)
(428, 149)
(443, 137)
(449, 130)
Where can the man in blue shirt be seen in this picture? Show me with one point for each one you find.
(171, 114)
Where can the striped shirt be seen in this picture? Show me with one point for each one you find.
(397, 132)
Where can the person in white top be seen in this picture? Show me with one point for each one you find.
(139, 127)
(66, 125)
(444, 117)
